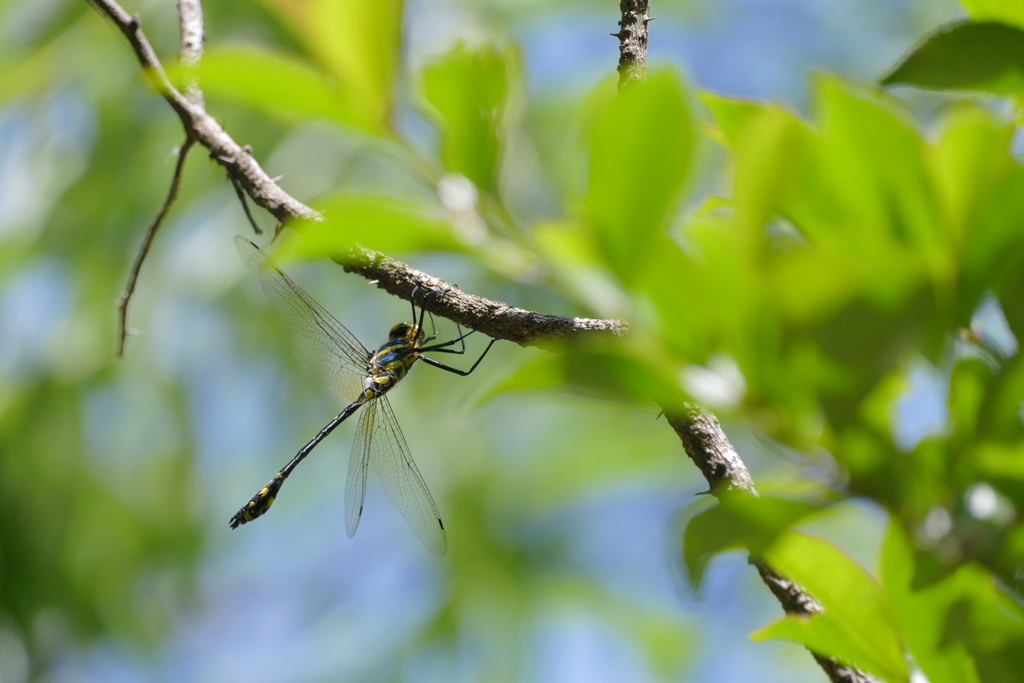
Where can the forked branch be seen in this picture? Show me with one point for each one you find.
(394, 276)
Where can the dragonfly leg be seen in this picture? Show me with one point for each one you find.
(443, 346)
(423, 309)
(439, 364)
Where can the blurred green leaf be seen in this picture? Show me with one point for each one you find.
(967, 384)
(87, 542)
(359, 43)
(1008, 289)
(733, 115)
(466, 90)
(980, 185)
(966, 55)
(641, 150)
(738, 521)
(277, 84)
(971, 159)
(858, 624)
(609, 369)
(542, 372)
(575, 263)
(882, 205)
(1001, 418)
(1005, 11)
(826, 635)
(379, 223)
(769, 145)
(964, 627)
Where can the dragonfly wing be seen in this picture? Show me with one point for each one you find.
(328, 348)
(355, 487)
(402, 481)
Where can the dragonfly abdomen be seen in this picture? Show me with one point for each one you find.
(265, 497)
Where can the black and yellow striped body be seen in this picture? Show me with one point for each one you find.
(385, 368)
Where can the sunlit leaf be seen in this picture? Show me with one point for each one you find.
(380, 223)
(640, 156)
(359, 44)
(738, 521)
(769, 145)
(543, 372)
(1005, 11)
(732, 115)
(272, 82)
(826, 635)
(883, 204)
(575, 263)
(922, 613)
(858, 624)
(466, 90)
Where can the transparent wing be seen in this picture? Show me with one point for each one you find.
(355, 486)
(379, 441)
(328, 348)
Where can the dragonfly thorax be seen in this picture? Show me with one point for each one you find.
(390, 363)
(408, 332)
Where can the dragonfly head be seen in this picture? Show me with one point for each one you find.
(406, 332)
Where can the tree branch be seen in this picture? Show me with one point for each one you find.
(235, 159)
(713, 454)
(514, 324)
(190, 20)
(393, 276)
(632, 35)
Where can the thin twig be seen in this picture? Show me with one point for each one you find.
(133, 276)
(713, 454)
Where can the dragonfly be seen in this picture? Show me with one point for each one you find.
(364, 378)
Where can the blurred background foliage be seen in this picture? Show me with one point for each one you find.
(835, 269)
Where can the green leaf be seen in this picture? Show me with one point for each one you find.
(542, 372)
(1006, 11)
(922, 613)
(359, 43)
(605, 368)
(826, 635)
(979, 186)
(575, 263)
(968, 381)
(858, 625)
(1000, 418)
(738, 521)
(878, 207)
(275, 83)
(733, 114)
(966, 55)
(771, 149)
(466, 90)
(380, 223)
(641, 150)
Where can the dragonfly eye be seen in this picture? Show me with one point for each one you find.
(404, 331)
